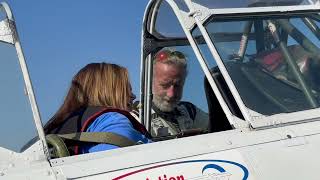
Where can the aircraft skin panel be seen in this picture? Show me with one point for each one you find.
(256, 150)
(286, 159)
(254, 162)
(37, 171)
(203, 167)
(30, 164)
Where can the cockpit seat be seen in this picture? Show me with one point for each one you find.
(274, 62)
(217, 118)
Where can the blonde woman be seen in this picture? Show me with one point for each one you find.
(99, 100)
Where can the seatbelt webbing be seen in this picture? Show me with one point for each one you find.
(99, 137)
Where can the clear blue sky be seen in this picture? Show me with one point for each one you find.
(59, 37)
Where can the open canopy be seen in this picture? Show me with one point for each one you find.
(216, 4)
(264, 54)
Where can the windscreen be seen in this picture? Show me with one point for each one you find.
(17, 125)
(216, 4)
(166, 22)
(274, 61)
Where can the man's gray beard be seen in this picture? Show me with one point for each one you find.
(163, 105)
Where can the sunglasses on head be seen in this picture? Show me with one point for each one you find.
(162, 55)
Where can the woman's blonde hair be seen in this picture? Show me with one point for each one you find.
(97, 84)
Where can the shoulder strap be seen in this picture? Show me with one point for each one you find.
(100, 137)
(192, 110)
(136, 124)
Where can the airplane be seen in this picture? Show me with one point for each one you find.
(253, 65)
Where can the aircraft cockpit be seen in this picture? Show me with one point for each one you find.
(243, 102)
(259, 63)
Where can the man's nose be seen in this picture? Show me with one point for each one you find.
(171, 92)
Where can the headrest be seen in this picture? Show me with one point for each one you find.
(274, 62)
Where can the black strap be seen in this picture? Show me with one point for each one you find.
(192, 110)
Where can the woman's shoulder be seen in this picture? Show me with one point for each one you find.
(109, 119)
(103, 113)
(112, 116)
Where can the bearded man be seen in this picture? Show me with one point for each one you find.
(170, 116)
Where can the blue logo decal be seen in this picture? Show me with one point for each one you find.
(221, 169)
(213, 166)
